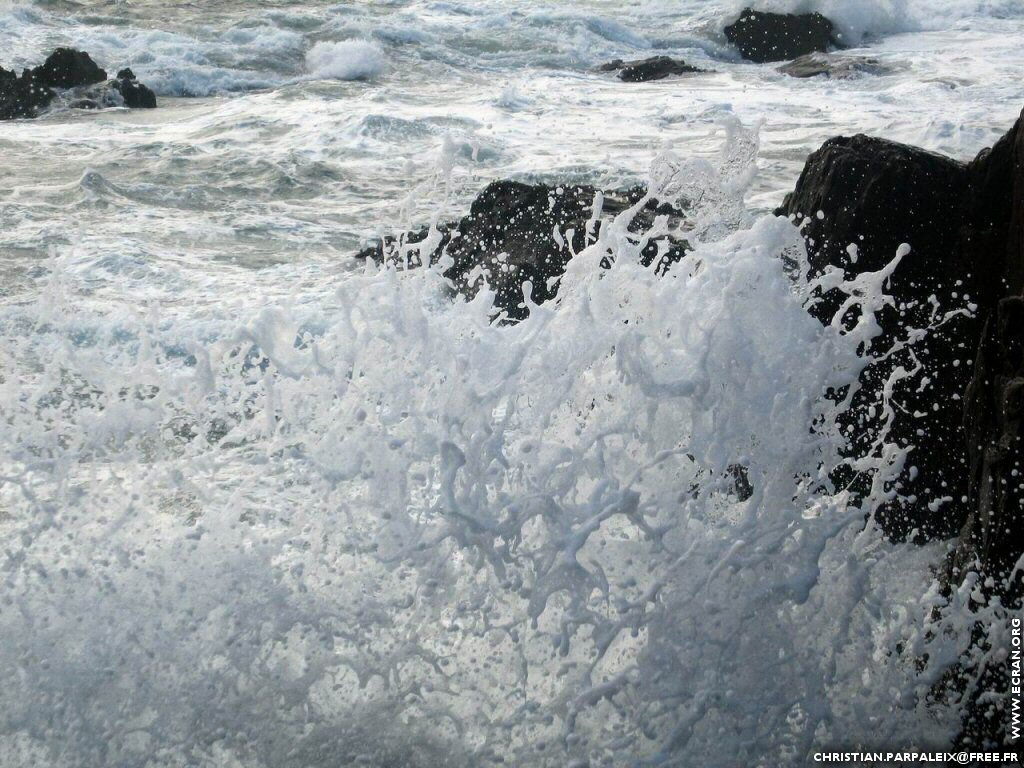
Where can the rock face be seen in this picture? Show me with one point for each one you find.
(764, 37)
(68, 68)
(875, 195)
(135, 94)
(994, 531)
(73, 72)
(516, 232)
(654, 68)
(832, 66)
(966, 226)
(22, 96)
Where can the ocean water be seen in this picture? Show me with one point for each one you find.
(262, 505)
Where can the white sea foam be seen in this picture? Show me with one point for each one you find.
(262, 508)
(375, 527)
(347, 60)
(875, 18)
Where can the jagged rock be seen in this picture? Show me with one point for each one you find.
(993, 534)
(654, 68)
(966, 224)
(991, 541)
(75, 79)
(22, 96)
(764, 37)
(68, 68)
(135, 94)
(875, 195)
(832, 66)
(516, 232)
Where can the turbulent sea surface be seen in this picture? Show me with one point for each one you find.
(262, 505)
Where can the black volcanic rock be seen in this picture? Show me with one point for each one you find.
(966, 226)
(135, 94)
(509, 236)
(993, 240)
(644, 70)
(764, 37)
(22, 96)
(876, 195)
(991, 541)
(68, 68)
(76, 78)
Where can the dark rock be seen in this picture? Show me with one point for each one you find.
(991, 541)
(876, 195)
(832, 66)
(135, 94)
(79, 84)
(764, 37)
(508, 237)
(68, 68)
(966, 224)
(993, 534)
(22, 96)
(654, 68)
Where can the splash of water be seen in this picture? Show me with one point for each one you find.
(382, 530)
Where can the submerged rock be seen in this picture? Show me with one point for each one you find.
(74, 78)
(764, 37)
(654, 68)
(832, 66)
(518, 232)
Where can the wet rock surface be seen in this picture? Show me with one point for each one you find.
(965, 224)
(764, 37)
(833, 66)
(72, 78)
(654, 68)
(518, 232)
(857, 200)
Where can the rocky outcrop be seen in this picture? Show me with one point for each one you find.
(135, 94)
(764, 37)
(68, 68)
(517, 232)
(857, 200)
(965, 224)
(22, 96)
(993, 534)
(71, 74)
(644, 70)
(832, 66)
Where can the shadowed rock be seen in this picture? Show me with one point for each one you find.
(654, 68)
(764, 37)
(517, 232)
(135, 94)
(68, 68)
(875, 195)
(74, 80)
(966, 226)
(22, 96)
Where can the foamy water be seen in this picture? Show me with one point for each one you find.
(262, 505)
